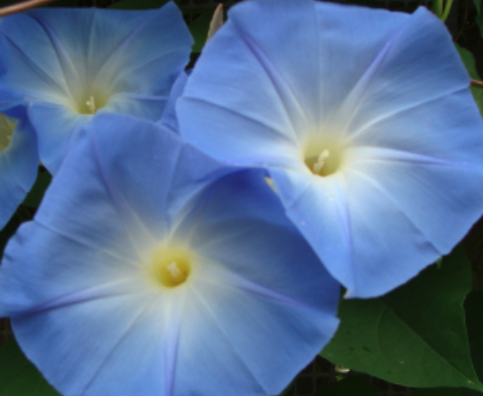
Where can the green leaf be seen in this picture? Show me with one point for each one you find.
(199, 30)
(414, 336)
(138, 4)
(34, 197)
(438, 8)
(19, 377)
(469, 61)
(350, 386)
(445, 392)
(479, 23)
(477, 4)
(439, 262)
(474, 327)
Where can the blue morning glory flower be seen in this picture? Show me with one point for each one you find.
(19, 163)
(169, 119)
(138, 277)
(364, 120)
(69, 64)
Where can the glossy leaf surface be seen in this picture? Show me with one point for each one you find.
(19, 377)
(414, 336)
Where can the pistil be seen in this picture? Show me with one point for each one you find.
(91, 104)
(319, 164)
(170, 266)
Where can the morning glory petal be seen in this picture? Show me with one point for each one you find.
(380, 227)
(169, 117)
(156, 145)
(371, 213)
(32, 65)
(89, 61)
(19, 163)
(137, 105)
(340, 30)
(234, 148)
(414, 61)
(191, 263)
(228, 232)
(119, 324)
(434, 187)
(258, 110)
(253, 21)
(364, 112)
(53, 138)
(309, 203)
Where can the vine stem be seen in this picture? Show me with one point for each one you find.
(19, 7)
(477, 83)
(447, 9)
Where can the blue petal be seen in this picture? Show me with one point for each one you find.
(112, 360)
(419, 68)
(137, 105)
(59, 59)
(364, 239)
(155, 155)
(169, 117)
(126, 183)
(243, 74)
(75, 274)
(248, 143)
(292, 72)
(18, 170)
(258, 109)
(150, 56)
(388, 87)
(318, 208)
(260, 268)
(55, 124)
(128, 51)
(33, 68)
(433, 173)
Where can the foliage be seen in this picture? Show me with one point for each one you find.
(469, 61)
(19, 377)
(415, 335)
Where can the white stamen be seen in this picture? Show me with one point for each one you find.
(173, 268)
(91, 104)
(321, 161)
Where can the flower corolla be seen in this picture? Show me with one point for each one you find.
(363, 119)
(67, 65)
(150, 270)
(169, 119)
(19, 163)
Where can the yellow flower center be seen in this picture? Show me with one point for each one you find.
(170, 266)
(323, 157)
(7, 126)
(91, 103)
